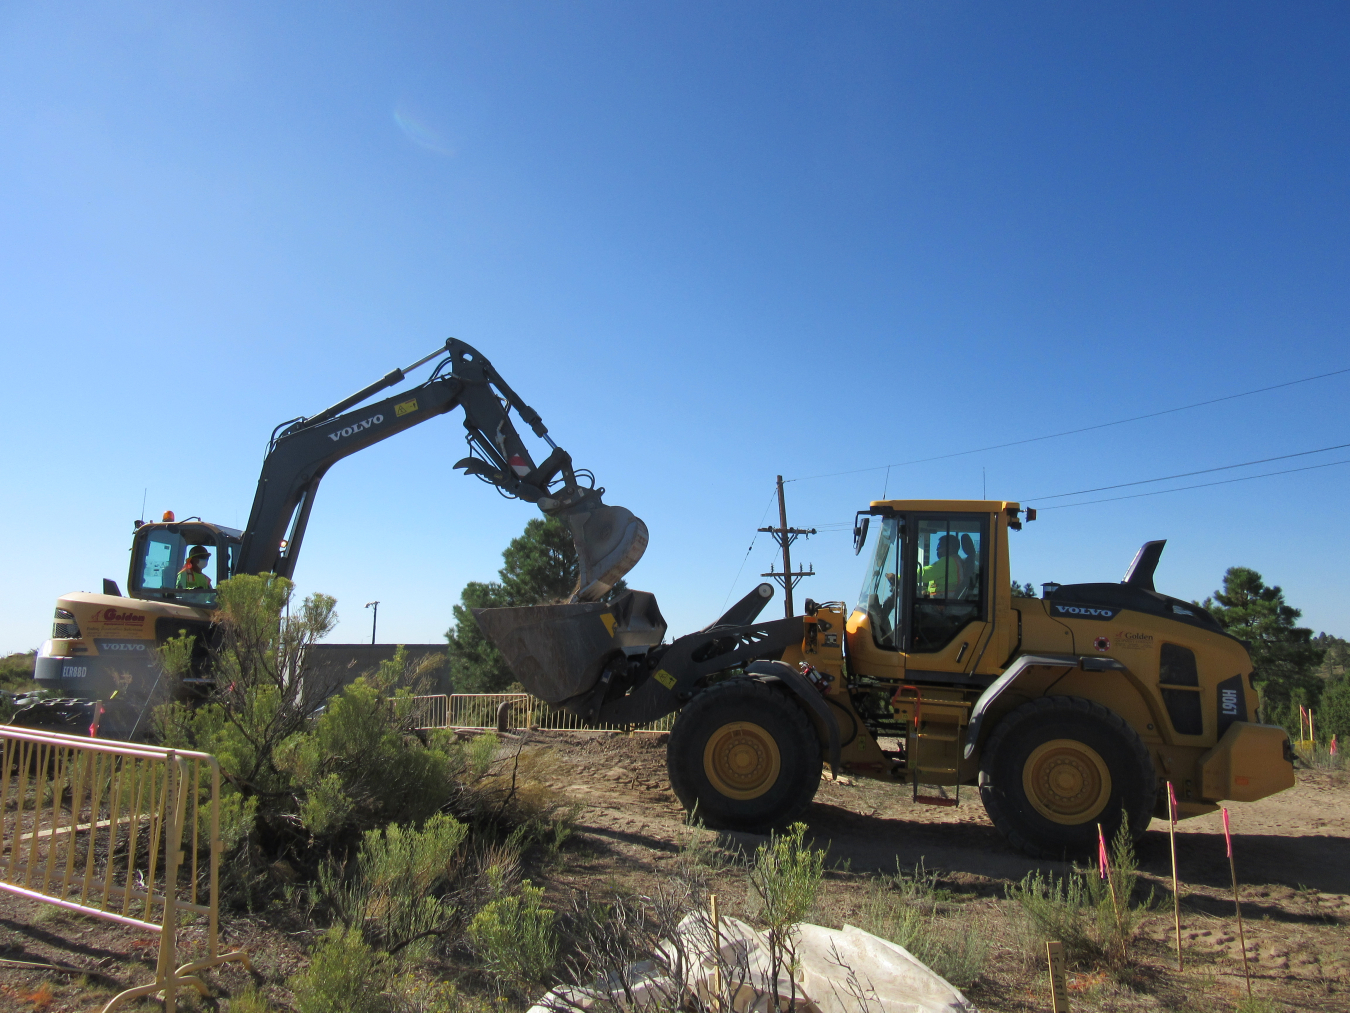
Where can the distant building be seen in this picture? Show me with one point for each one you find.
(328, 667)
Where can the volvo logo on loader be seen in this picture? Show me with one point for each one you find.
(1085, 611)
(356, 427)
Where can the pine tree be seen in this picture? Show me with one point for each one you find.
(539, 568)
(1333, 710)
(1283, 654)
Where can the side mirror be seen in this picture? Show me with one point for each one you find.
(861, 522)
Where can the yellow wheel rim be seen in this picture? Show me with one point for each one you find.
(741, 760)
(1066, 781)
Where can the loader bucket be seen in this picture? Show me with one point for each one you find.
(609, 541)
(560, 651)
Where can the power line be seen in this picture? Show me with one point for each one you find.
(772, 496)
(1074, 432)
(1184, 474)
(1200, 485)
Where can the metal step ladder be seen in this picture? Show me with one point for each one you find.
(937, 721)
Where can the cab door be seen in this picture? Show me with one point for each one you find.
(947, 594)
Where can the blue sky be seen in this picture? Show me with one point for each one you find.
(710, 244)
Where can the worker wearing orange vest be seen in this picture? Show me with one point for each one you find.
(191, 577)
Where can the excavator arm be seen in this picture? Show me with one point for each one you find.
(609, 540)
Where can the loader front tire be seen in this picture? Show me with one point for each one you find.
(1056, 767)
(743, 756)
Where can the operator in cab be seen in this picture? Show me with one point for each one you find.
(192, 576)
(944, 577)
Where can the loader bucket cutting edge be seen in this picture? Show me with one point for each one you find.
(559, 652)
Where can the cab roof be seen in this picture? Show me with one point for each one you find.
(958, 506)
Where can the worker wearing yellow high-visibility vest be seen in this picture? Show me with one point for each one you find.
(191, 577)
(943, 577)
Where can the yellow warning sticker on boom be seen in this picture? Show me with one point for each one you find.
(609, 622)
(405, 408)
(665, 678)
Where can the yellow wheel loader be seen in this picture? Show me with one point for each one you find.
(1065, 711)
(101, 659)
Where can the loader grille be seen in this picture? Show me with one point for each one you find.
(65, 627)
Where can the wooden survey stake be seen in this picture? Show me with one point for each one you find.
(1059, 981)
(1176, 889)
(717, 951)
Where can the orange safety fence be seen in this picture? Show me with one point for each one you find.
(120, 831)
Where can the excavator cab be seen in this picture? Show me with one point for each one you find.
(159, 550)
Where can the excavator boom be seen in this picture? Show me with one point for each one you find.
(609, 540)
(103, 645)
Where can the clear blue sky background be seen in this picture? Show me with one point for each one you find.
(710, 243)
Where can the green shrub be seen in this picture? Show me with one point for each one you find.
(515, 938)
(909, 911)
(345, 975)
(785, 880)
(394, 894)
(356, 768)
(16, 672)
(1094, 918)
(412, 993)
(250, 1000)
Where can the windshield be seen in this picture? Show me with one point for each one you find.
(880, 597)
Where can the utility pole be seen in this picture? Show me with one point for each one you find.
(374, 606)
(785, 536)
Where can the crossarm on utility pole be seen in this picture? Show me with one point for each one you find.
(785, 536)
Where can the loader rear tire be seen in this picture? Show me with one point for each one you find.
(743, 756)
(1056, 767)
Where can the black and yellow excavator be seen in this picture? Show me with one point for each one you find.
(1065, 712)
(103, 645)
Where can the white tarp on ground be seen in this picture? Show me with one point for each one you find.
(837, 971)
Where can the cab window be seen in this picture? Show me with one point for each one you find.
(880, 597)
(949, 579)
(159, 568)
(162, 559)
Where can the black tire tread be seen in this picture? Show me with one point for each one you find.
(1039, 710)
(706, 707)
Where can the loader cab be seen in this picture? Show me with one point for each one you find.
(928, 599)
(158, 551)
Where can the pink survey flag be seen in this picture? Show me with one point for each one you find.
(1103, 866)
(1171, 802)
(1227, 835)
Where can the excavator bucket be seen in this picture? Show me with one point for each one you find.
(609, 541)
(560, 652)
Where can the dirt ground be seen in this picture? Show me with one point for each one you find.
(1292, 852)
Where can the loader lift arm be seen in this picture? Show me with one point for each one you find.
(609, 540)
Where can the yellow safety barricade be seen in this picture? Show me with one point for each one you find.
(116, 830)
(478, 711)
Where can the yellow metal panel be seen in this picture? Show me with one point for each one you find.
(1248, 763)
